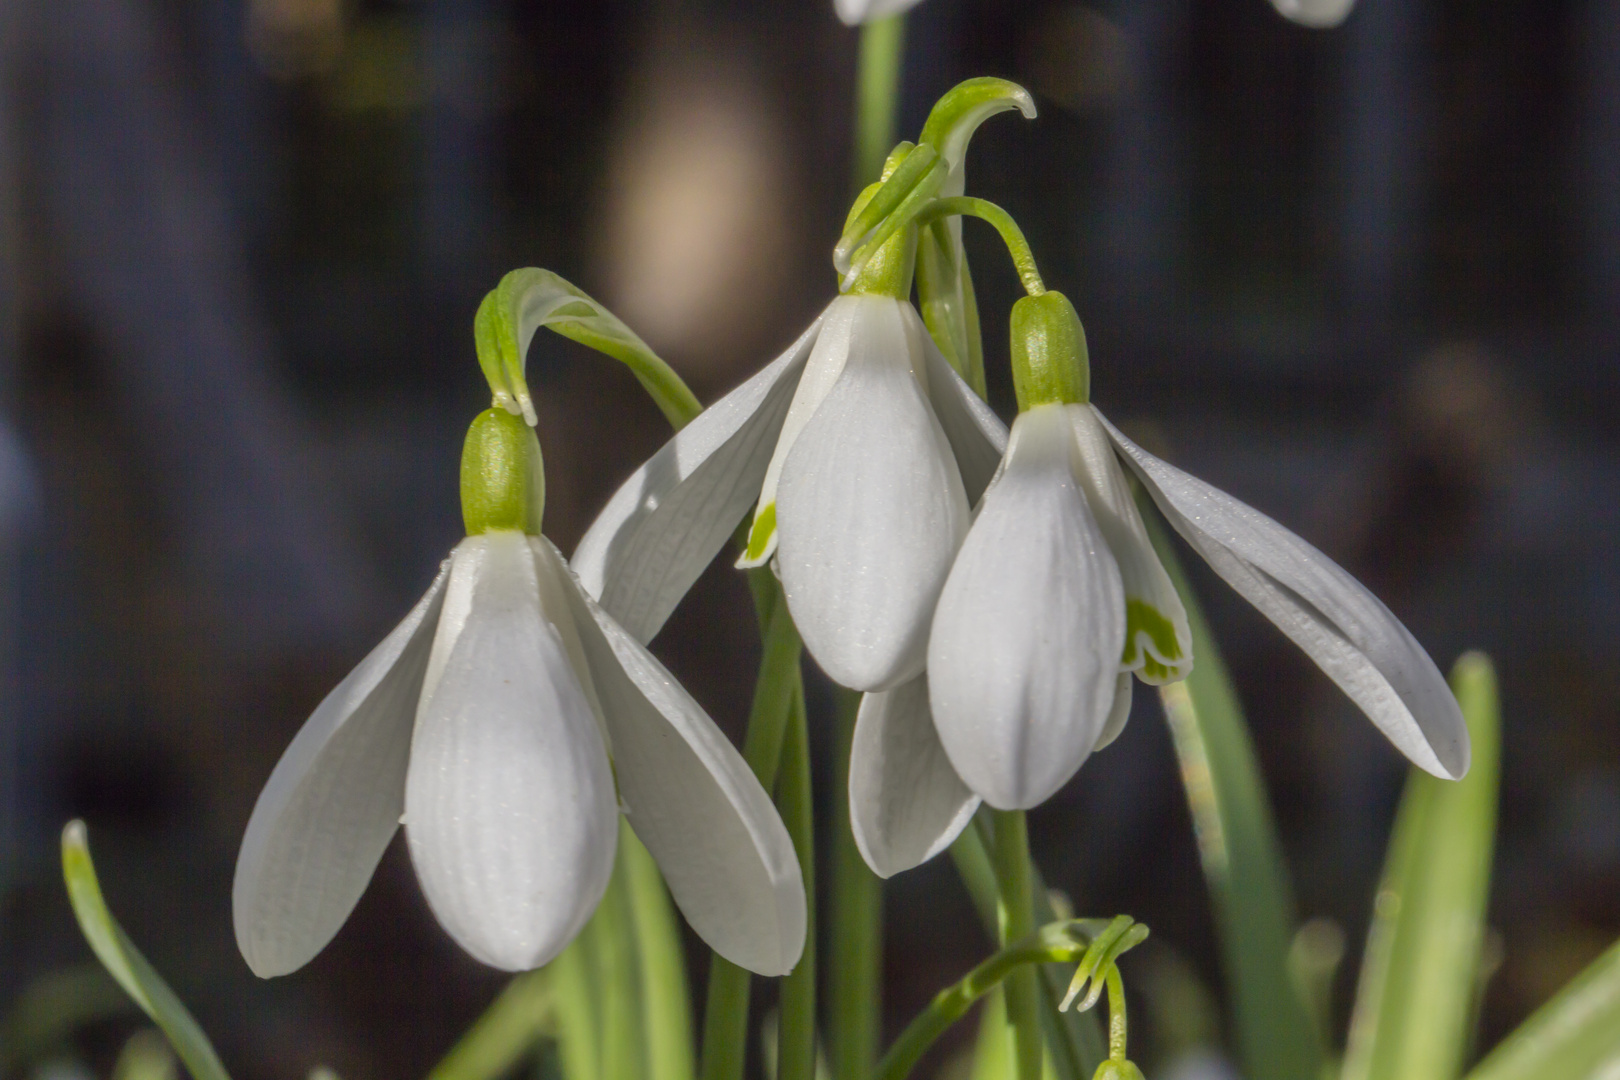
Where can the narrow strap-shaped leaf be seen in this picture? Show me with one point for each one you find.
(126, 964)
(1575, 1036)
(1239, 849)
(520, 1017)
(1414, 1006)
(666, 1011)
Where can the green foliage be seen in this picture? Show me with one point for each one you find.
(1575, 1036)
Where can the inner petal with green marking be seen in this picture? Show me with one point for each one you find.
(1152, 648)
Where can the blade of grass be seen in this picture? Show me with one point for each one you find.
(1414, 1005)
(126, 964)
(1575, 1036)
(1237, 843)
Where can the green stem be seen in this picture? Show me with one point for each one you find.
(508, 1029)
(666, 1011)
(1011, 859)
(855, 981)
(877, 93)
(1116, 1014)
(725, 1015)
(1011, 235)
(796, 1033)
(1056, 943)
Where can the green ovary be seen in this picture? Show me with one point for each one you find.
(1142, 620)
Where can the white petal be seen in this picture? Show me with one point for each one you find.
(1344, 628)
(855, 12)
(906, 803)
(820, 375)
(332, 803)
(695, 803)
(870, 511)
(664, 524)
(1158, 645)
(978, 437)
(1321, 14)
(1027, 638)
(510, 810)
(1118, 712)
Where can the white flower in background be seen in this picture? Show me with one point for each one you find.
(855, 12)
(485, 723)
(860, 450)
(1057, 598)
(1321, 14)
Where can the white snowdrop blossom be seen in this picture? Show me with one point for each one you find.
(1057, 598)
(1320, 14)
(506, 723)
(855, 12)
(860, 451)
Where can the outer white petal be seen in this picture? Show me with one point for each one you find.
(1118, 712)
(870, 511)
(906, 803)
(663, 526)
(332, 803)
(977, 436)
(1322, 14)
(1158, 645)
(1026, 641)
(509, 803)
(855, 12)
(694, 802)
(1344, 628)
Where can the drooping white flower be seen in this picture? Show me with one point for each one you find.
(855, 12)
(493, 722)
(1057, 599)
(1320, 14)
(860, 450)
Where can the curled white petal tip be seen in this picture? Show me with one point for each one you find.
(332, 803)
(1024, 657)
(906, 803)
(870, 508)
(855, 12)
(1339, 624)
(513, 820)
(1319, 14)
(694, 802)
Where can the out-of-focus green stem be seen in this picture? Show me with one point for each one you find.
(877, 93)
(796, 1033)
(1011, 860)
(666, 1011)
(854, 983)
(517, 1019)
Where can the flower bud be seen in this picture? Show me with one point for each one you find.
(503, 482)
(1050, 363)
(1117, 1070)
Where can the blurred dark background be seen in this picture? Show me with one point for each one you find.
(1367, 280)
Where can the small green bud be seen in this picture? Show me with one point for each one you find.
(503, 481)
(1117, 1070)
(1050, 363)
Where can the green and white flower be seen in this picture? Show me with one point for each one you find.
(1057, 598)
(859, 450)
(506, 722)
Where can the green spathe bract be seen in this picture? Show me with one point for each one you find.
(503, 482)
(1050, 363)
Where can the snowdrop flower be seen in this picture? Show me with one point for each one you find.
(855, 12)
(506, 722)
(860, 450)
(1056, 599)
(1321, 14)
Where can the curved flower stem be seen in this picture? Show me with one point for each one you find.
(1055, 943)
(1011, 235)
(796, 1033)
(1011, 860)
(1116, 1014)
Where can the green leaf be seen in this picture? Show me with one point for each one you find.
(1237, 843)
(1575, 1036)
(127, 965)
(666, 1012)
(523, 1014)
(52, 1008)
(1419, 978)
